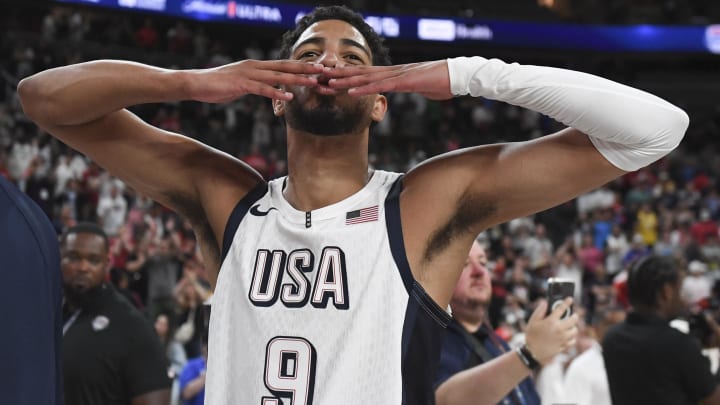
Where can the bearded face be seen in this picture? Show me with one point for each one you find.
(321, 110)
(80, 296)
(328, 115)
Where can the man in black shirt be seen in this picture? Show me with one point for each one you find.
(648, 361)
(111, 354)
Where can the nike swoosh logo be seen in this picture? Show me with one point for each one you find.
(254, 210)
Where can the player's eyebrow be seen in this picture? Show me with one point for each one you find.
(313, 41)
(353, 43)
(343, 41)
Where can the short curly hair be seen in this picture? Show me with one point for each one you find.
(380, 53)
(648, 275)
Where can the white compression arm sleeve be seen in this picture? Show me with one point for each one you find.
(629, 127)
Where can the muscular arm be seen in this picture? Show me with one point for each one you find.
(159, 397)
(82, 93)
(447, 201)
(467, 191)
(83, 105)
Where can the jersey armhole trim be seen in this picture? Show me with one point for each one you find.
(397, 247)
(431, 307)
(238, 213)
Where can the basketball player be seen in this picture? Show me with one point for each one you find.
(30, 302)
(332, 282)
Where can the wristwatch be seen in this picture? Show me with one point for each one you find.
(527, 357)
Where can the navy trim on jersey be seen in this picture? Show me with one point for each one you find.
(431, 307)
(397, 246)
(425, 322)
(423, 335)
(238, 213)
(394, 230)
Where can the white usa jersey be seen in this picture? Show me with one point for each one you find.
(320, 307)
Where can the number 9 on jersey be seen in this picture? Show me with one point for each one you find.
(289, 371)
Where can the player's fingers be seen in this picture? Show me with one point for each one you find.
(266, 90)
(348, 71)
(362, 79)
(291, 66)
(400, 83)
(383, 86)
(275, 78)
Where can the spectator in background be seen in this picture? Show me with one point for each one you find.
(712, 202)
(586, 379)
(179, 38)
(476, 365)
(599, 290)
(121, 280)
(256, 160)
(111, 355)
(147, 36)
(648, 361)
(616, 246)
(704, 228)
(638, 249)
(602, 227)
(39, 186)
(111, 211)
(190, 293)
(192, 379)
(646, 224)
(30, 368)
(162, 267)
(64, 172)
(173, 349)
(665, 246)
(589, 254)
(518, 279)
(21, 155)
(711, 251)
(697, 286)
(569, 267)
(176, 357)
(538, 248)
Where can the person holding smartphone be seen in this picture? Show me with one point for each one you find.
(476, 364)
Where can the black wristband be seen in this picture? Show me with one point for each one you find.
(527, 358)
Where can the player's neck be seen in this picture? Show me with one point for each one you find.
(325, 170)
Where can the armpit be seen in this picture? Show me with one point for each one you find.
(469, 212)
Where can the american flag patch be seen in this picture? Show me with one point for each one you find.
(368, 214)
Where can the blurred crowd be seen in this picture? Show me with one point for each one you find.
(579, 11)
(670, 208)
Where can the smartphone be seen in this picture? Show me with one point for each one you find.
(558, 289)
